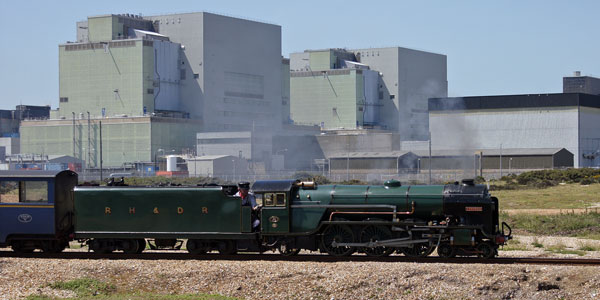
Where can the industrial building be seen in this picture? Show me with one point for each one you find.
(125, 140)
(495, 160)
(381, 88)
(567, 120)
(333, 143)
(154, 82)
(396, 162)
(217, 165)
(581, 84)
(250, 145)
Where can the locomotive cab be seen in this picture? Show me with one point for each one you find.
(276, 196)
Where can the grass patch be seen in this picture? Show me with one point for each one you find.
(88, 288)
(588, 247)
(84, 287)
(557, 197)
(514, 245)
(537, 244)
(562, 249)
(575, 225)
(142, 296)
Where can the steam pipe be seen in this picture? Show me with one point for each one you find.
(394, 213)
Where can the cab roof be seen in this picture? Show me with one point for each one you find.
(273, 185)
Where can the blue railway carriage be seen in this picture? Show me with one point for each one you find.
(36, 209)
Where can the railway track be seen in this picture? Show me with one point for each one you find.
(304, 257)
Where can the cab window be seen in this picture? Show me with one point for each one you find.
(23, 191)
(280, 200)
(268, 200)
(274, 199)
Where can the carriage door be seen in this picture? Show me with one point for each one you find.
(275, 216)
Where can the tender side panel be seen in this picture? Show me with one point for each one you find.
(156, 210)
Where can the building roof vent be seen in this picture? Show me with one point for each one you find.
(577, 73)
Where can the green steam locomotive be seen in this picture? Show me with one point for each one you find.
(377, 220)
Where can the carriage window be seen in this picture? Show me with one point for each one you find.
(9, 191)
(280, 201)
(34, 191)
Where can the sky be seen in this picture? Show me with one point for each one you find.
(492, 47)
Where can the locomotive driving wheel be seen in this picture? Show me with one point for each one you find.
(374, 233)
(418, 250)
(339, 234)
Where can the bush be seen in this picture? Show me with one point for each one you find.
(545, 178)
(305, 176)
(353, 182)
(479, 180)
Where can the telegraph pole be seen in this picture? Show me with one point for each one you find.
(100, 151)
(73, 134)
(430, 157)
(89, 142)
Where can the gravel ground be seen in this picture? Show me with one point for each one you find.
(21, 277)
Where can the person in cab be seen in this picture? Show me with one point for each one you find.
(248, 199)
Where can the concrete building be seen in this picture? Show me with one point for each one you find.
(581, 84)
(216, 165)
(494, 160)
(157, 81)
(11, 145)
(232, 69)
(124, 139)
(334, 143)
(10, 120)
(250, 145)
(396, 162)
(384, 88)
(570, 121)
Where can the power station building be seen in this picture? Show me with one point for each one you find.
(378, 88)
(154, 82)
(544, 121)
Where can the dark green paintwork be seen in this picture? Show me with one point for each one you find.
(275, 220)
(462, 236)
(246, 219)
(205, 210)
(428, 201)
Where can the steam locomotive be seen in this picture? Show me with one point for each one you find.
(47, 210)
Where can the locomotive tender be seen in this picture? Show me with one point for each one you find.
(378, 220)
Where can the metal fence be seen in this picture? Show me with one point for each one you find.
(437, 176)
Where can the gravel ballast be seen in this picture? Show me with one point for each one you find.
(21, 277)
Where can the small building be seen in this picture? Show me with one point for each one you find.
(395, 162)
(496, 159)
(216, 165)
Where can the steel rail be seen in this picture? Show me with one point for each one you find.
(269, 256)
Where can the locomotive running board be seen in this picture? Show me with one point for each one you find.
(385, 243)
